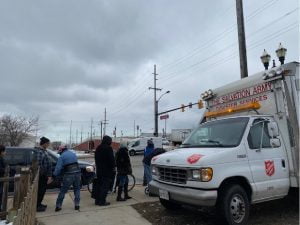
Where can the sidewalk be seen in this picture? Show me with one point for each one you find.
(116, 213)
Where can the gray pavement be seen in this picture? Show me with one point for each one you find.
(116, 213)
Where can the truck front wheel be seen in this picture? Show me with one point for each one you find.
(233, 205)
(169, 205)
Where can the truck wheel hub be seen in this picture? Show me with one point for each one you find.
(237, 208)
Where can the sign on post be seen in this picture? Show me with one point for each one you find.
(164, 117)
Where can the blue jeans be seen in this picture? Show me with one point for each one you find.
(68, 181)
(148, 174)
(123, 180)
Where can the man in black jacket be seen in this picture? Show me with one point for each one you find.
(105, 168)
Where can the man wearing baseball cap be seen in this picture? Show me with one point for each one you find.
(45, 175)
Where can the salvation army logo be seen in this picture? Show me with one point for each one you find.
(194, 158)
(154, 158)
(270, 167)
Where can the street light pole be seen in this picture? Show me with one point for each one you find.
(155, 103)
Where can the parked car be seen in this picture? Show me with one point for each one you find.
(165, 141)
(19, 157)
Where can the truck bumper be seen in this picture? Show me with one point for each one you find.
(184, 195)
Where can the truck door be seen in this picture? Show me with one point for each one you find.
(268, 164)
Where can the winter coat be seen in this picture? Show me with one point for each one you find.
(123, 162)
(2, 166)
(147, 159)
(104, 158)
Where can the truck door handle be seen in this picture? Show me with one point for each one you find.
(283, 163)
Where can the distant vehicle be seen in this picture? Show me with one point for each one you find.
(21, 157)
(138, 145)
(179, 135)
(165, 141)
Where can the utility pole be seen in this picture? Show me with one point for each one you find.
(91, 129)
(155, 102)
(70, 141)
(105, 122)
(242, 39)
(101, 127)
(134, 128)
(81, 135)
(76, 136)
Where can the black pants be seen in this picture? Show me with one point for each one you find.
(102, 189)
(42, 189)
(1, 195)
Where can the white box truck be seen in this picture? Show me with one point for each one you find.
(138, 145)
(179, 135)
(245, 150)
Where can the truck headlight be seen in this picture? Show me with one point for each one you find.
(154, 170)
(202, 174)
(89, 169)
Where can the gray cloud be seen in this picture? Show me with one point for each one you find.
(67, 60)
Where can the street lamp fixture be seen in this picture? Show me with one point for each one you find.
(156, 113)
(167, 92)
(281, 52)
(265, 59)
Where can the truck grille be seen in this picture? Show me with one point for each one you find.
(172, 175)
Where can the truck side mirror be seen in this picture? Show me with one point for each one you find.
(273, 129)
(275, 142)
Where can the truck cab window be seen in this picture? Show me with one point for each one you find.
(258, 132)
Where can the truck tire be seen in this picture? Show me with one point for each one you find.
(169, 205)
(131, 152)
(233, 205)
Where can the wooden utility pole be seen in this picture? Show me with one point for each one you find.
(242, 39)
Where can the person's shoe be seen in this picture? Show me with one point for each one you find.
(120, 199)
(104, 204)
(57, 209)
(128, 197)
(40, 208)
(44, 205)
(77, 207)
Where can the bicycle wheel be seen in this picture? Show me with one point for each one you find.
(131, 182)
(90, 186)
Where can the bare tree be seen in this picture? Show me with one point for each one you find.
(16, 129)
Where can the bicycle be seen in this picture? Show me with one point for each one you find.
(131, 183)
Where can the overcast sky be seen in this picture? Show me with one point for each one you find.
(68, 60)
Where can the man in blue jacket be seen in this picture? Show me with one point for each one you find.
(67, 166)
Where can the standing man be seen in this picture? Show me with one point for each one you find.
(67, 165)
(105, 166)
(2, 171)
(45, 175)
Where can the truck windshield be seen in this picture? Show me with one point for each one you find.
(220, 133)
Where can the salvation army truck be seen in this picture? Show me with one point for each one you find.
(244, 151)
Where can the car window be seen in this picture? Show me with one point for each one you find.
(259, 130)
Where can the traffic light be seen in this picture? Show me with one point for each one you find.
(182, 107)
(200, 104)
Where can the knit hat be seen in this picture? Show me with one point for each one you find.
(44, 140)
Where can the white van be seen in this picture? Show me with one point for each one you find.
(245, 150)
(138, 145)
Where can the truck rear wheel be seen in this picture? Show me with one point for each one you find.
(233, 205)
(169, 205)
